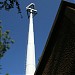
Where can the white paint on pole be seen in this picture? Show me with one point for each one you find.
(30, 60)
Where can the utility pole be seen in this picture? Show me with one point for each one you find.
(30, 59)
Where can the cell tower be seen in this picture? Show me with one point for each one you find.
(30, 59)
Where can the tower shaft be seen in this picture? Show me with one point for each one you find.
(30, 61)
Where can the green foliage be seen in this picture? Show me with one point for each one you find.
(5, 41)
(9, 4)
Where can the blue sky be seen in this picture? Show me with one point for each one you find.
(14, 60)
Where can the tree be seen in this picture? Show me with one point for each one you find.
(9, 4)
(5, 41)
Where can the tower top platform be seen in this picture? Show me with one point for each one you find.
(31, 9)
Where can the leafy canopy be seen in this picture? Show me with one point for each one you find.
(5, 41)
(9, 4)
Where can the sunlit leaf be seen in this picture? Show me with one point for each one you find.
(12, 41)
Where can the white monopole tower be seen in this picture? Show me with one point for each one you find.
(30, 59)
